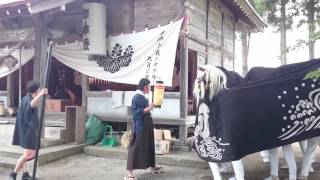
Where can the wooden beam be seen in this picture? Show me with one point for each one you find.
(210, 44)
(14, 11)
(16, 35)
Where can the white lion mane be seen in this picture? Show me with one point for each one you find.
(216, 78)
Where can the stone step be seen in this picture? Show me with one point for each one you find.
(181, 148)
(10, 154)
(7, 162)
(50, 119)
(53, 132)
(57, 152)
(54, 115)
(50, 142)
(174, 158)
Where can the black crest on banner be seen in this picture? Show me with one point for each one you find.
(117, 59)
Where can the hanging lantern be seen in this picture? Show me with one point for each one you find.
(94, 40)
(158, 94)
(2, 112)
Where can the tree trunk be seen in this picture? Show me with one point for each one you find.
(311, 27)
(283, 30)
(245, 37)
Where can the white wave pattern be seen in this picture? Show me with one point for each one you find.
(210, 147)
(304, 111)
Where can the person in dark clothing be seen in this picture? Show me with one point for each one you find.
(141, 154)
(26, 128)
(72, 92)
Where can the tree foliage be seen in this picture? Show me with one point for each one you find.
(296, 16)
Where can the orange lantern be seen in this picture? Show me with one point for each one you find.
(2, 111)
(158, 94)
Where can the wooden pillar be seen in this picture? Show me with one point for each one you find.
(85, 88)
(222, 41)
(207, 30)
(183, 87)
(41, 46)
(10, 91)
(234, 45)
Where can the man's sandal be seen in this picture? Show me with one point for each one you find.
(129, 178)
(157, 170)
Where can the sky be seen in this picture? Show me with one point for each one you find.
(265, 49)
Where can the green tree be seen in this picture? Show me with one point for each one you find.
(245, 35)
(280, 14)
(309, 11)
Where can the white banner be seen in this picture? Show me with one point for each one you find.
(130, 57)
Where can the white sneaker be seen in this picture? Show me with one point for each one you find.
(233, 178)
(272, 178)
(265, 159)
(302, 178)
(311, 169)
(225, 168)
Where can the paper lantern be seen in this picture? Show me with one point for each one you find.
(95, 41)
(2, 111)
(158, 94)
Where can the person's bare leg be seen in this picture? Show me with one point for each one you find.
(29, 155)
(130, 173)
(20, 164)
(25, 167)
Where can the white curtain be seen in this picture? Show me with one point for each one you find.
(160, 44)
(26, 56)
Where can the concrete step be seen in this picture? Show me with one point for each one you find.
(181, 148)
(50, 119)
(10, 152)
(9, 155)
(174, 158)
(7, 162)
(53, 132)
(50, 142)
(57, 152)
(55, 115)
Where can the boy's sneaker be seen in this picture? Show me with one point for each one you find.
(302, 178)
(26, 176)
(272, 178)
(12, 176)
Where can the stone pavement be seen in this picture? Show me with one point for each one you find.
(84, 167)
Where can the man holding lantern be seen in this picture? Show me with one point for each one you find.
(141, 154)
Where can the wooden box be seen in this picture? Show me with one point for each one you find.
(162, 146)
(57, 105)
(158, 134)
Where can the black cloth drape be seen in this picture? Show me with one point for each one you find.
(270, 107)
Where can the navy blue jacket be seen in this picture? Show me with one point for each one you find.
(139, 103)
